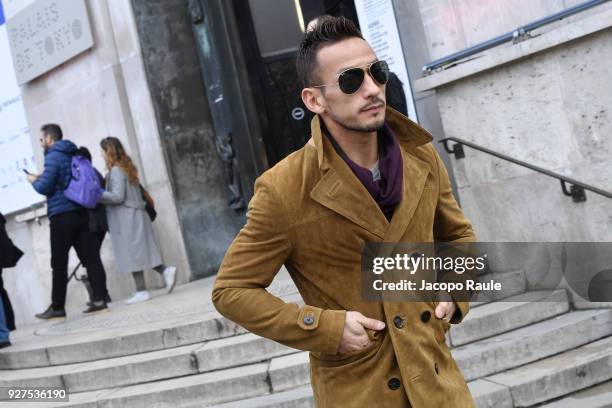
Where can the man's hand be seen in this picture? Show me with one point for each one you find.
(32, 178)
(355, 336)
(445, 310)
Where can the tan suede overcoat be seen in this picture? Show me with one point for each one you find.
(311, 213)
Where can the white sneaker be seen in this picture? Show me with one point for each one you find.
(170, 278)
(138, 297)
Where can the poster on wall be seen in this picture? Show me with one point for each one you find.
(16, 152)
(379, 28)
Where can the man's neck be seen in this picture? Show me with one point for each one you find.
(360, 147)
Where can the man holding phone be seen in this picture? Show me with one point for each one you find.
(69, 224)
(367, 174)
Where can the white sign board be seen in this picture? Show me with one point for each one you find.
(47, 33)
(16, 151)
(379, 28)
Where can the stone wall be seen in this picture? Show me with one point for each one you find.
(178, 94)
(453, 25)
(546, 101)
(101, 92)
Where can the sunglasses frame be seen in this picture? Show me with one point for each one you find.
(365, 68)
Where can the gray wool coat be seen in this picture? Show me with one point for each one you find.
(129, 224)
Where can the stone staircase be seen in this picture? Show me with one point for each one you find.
(518, 352)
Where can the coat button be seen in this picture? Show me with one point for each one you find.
(436, 368)
(308, 320)
(398, 322)
(425, 316)
(394, 383)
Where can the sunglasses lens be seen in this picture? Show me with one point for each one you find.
(380, 72)
(350, 81)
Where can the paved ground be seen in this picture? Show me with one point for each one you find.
(187, 302)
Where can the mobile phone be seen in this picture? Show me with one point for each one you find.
(27, 172)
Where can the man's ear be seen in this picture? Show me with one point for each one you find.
(313, 100)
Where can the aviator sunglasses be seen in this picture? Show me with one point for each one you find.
(350, 80)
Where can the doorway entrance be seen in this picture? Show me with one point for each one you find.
(270, 32)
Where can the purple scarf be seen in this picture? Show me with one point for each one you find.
(387, 192)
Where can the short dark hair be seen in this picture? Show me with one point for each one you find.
(328, 30)
(83, 151)
(53, 131)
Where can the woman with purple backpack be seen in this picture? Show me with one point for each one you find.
(129, 225)
(98, 224)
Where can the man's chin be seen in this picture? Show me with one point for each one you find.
(372, 127)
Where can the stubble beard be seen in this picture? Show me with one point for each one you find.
(357, 127)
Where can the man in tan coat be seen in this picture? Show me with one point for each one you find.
(368, 174)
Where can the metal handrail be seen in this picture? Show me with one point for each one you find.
(517, 35)
(576, 190)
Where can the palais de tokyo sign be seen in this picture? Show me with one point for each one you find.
(47, 33)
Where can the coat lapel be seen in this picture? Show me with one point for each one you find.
(341, 195)
(342, 192)
(415, 176)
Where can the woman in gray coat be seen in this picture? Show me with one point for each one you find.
(129, 224)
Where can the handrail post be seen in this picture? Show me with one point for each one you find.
(457, 149)
(576, 192)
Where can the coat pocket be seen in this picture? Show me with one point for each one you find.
(343, 359)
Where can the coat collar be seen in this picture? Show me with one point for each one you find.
(408, 133)
(342, 192)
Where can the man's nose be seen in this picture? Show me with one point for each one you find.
(370, 87)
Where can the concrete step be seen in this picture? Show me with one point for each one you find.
(289, 371)
(513, 283)
(530, 384)
(509, 314)
(197, 390)
(91, 347)
(599, 396)
(489, 395)
(275, 384)
(148, 367)
(561, 374)
(51, 350)
(206, 389)
(531, 343)
(214, 387)
(232, 351)
(300, 397)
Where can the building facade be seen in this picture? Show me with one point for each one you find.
(204, 96)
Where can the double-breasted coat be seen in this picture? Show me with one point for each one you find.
(311, 213)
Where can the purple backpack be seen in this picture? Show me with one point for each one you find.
(84, 187)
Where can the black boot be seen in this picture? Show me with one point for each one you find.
(96, 306)
(107, 299)
(4, 344)
(52, 313)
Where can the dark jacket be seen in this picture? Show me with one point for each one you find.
(396, 97)
(56, 177)
(97, 216)
(9, 253)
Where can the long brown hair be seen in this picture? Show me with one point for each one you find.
(116, 156)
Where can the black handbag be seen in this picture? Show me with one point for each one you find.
(149, 203)
(9, 253)
(12, 257)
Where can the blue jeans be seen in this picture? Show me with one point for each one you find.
(4, 331)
